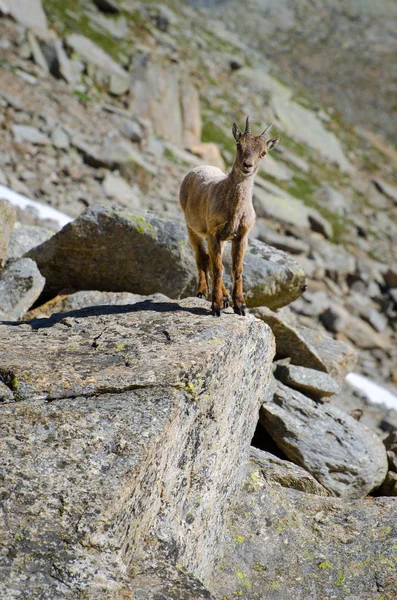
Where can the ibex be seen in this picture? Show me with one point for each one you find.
(218, 207)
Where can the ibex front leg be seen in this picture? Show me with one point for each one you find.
(215, 249)
(239, 246)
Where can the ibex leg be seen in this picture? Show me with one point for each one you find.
(215, 249)
(239, 246)
(202, 260)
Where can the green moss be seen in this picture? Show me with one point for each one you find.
(325, 565)
(141, 224)
(120, 347)
(239, 539)
(14, 384)
(341, 579)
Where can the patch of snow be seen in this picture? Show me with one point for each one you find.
(43, 210)
(374, 392)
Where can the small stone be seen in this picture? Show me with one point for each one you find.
(335, 318)
(20, 286)
(387, 189)
(131, 130)
(117, 188)
(26, 237)
(314, 384)
(285, 473)
(393, 295)
(64, 65)
(6, 395)
(14, 101)
(30, 14)
(332, 200)
(119, 84)
(37, 52)
(8, 215)
(60, 139)
(377, 320)
(94, 55)
(30, 135)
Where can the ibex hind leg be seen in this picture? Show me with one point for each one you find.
(202, 261)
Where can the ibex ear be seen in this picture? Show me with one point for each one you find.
(272, 143)
(236, 132)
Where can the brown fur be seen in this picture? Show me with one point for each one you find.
(217, 208)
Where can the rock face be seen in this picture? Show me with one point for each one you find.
(121, 445)
(283, 543)
(346, 457)
(144, 253)
(20, 286)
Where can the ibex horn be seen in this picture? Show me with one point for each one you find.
(263, 134)
(247, 126)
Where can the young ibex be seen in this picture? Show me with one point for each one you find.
(218, 207)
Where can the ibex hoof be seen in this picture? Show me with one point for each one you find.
(216, 312)
(240, 310)
(225, 302)
(201, 295)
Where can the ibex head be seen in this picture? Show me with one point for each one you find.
(251, 148)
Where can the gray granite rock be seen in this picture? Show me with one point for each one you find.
(30, 14)
(283, 543)
(122, 420)
(60, 138)
(21, 284)
(274, 470)
(387, 189)
(26, 237)
(314, 384)
(30, 135)
(8, 215)
(118, 189)
(308, 347)
(346, 457)
(94, 55)
(142, 252)
(6, 394)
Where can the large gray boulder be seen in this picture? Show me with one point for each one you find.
(346, 457)
(112, 249)
(283, 543)
(130, 430)
(21, 284)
